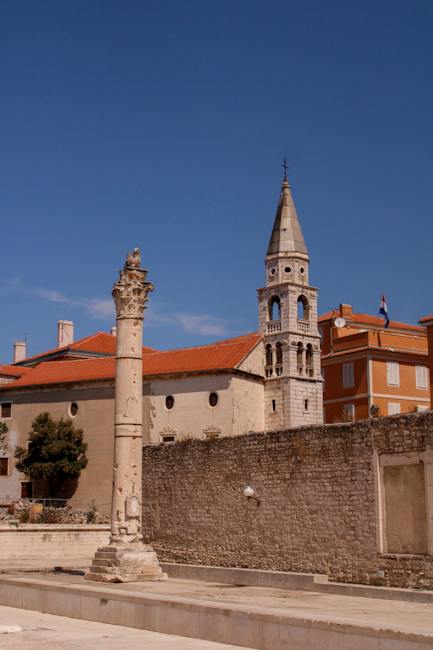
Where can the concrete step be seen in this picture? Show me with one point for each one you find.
(101, 562)
(254, 617)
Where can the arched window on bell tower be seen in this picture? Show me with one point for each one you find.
(269, 360)
(274, 308)
(303, 308)
(300, 358)
(278, 359)
(309, 360)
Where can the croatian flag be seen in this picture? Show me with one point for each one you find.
(384, 310)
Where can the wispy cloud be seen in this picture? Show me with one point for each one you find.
(100, 308)
(103, 309)
(203, 324)
(198, 324)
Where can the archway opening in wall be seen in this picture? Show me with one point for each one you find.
(274, 308)
(299, 359)
(269, 360)
(278, 358)
(309, 359)
(303, 308)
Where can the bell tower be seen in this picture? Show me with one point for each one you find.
(288, 321)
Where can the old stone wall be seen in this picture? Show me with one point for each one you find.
(319, 491)
(39, 546)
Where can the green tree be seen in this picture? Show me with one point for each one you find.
(56, 452)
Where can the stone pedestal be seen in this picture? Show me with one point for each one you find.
(134, 562)
(127, 559)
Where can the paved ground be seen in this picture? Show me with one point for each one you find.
(400, 616)
(48, 632)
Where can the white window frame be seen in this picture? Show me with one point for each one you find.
(421, 377)
(393, 373)
(348, 375)
(394, 408)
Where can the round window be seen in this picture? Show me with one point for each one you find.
(302, 270)
(73, 409)
(213, 399)
(273, 271)
(169, 402)
(288, 269)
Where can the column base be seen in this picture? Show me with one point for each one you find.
(133, 562)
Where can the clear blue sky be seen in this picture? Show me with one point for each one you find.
(163, 125)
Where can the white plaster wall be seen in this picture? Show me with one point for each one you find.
(248, 405)
(254, 362)
(95, 417)
(9, 483)
(191, 413)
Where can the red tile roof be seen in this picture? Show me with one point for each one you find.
(426, 319)
(223, 355)
(100, 343)
(13, 371)
(371, 320)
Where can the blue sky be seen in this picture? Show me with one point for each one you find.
(163, 125)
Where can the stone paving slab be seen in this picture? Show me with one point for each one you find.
(255, 617)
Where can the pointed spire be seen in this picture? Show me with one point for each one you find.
(286, 235)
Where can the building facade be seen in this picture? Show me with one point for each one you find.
(369, 370)
(262, 381)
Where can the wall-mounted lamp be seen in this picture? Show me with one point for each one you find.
(250, 493)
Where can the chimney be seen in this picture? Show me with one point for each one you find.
(346, 311)
(20, 351)
(113, 331)
(65, 333)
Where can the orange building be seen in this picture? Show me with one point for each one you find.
(427, 322)
(368, 369)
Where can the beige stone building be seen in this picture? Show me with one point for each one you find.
(266, 380)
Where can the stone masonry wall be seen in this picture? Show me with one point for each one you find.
(318, 503)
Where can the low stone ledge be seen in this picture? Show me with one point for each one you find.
(8, 527)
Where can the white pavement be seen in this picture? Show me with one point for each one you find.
(61, 633)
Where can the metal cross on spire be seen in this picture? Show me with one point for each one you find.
(285, 167)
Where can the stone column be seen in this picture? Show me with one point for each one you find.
(127, 559)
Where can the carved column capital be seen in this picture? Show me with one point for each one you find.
(131, 290)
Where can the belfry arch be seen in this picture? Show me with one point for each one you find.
(274, 308)
(303, 307)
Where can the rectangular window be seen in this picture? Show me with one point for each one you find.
(392, 373)
(274, 405)
(4, 466)
(306, 405)
(393, 408)
(26, 490)
(349, 412)
(6, 410)
(421, 374)
(348, 375)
